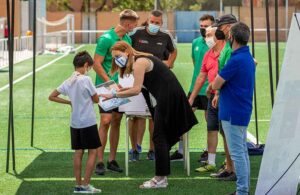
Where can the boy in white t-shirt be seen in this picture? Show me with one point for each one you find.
(84, 132)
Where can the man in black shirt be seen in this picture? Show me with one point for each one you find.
(151, 39)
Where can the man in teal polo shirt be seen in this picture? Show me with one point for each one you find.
(102, 66)
(199, 48)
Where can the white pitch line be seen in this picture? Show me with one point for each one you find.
(262, 120)
(38, 69)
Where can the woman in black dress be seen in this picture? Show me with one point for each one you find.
(170, 109)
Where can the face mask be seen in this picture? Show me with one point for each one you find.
(153, 28)
(132, 32)
(231, 40)
(203, 32)
(121, 61)
(210, 42)
(220, 35)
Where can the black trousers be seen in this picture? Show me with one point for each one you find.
(162, 149)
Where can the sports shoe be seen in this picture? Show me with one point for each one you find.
(134, 156)
(89, 189)
(151, 155)
(203, 156)
(176, 156)
(220, 174)
(113, 166)
(224, 175)
(206, 168)
(231, 177)
(139, 148)
(100, 168)
(77, 189)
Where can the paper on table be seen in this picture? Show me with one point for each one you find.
(106, 88)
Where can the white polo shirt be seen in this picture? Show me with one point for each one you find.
(80, 89)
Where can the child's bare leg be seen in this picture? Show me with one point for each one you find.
(77, 160)
(90, 163)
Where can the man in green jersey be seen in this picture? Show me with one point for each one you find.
(102, 65)
(199, 48)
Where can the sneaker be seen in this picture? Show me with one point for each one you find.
(100, 168)
(113, 166)
(220, 174)
(77, 189)
(89, 189)
(203, 156)
(139, 148)
(206, 168)
(231, 177)
(134, 156)
(225, 176)
(151, 155)
(176, 156)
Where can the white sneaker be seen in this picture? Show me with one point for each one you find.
(89, 189)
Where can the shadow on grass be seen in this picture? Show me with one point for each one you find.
(52, 173)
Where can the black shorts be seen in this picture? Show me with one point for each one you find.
(213, 123)
(109, 111)
(85, 138)
(200, 102)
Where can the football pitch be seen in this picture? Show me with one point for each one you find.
(47, 168)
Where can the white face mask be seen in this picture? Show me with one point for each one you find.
(132, 32)
(153, 28)
(210, 42)
(121, 61)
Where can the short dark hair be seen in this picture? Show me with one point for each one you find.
(240, 32)
(81, 58)
(207, 17)
(156, 13)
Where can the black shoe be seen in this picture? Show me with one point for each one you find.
(113, 166)
(203, 156)
(100, 168)
(151, 155)
(176, 156)
(231, 177)
(225, 176)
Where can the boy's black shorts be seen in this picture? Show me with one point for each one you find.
(85, 138)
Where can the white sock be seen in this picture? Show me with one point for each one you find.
(211, 159)
(180, 149)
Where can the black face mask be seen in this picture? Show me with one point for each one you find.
(231, 40)
(220, 35)
(203, 32)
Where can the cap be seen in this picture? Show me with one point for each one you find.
(225, 19)
(128, 14)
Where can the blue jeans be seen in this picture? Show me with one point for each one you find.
(236, 137)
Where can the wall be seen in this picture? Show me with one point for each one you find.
(17, 15)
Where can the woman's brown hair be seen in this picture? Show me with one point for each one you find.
(132, 53)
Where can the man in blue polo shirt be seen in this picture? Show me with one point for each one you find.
(236, 84)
